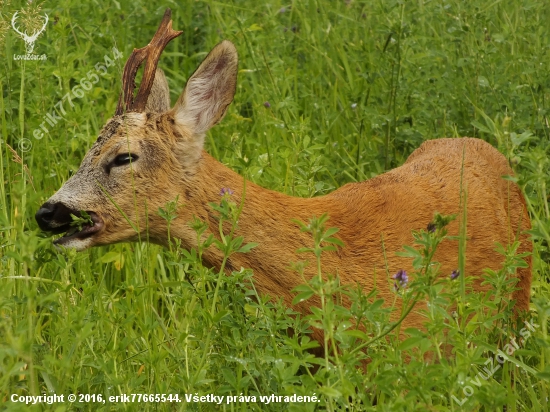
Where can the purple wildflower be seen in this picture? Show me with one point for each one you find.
(431, 227)
(401, 280)
(455, 274)
(226, 191)
(267, 105)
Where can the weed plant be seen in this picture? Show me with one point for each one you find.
(329, 92)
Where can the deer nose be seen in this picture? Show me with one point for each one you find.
(53, 215)
(45, 215)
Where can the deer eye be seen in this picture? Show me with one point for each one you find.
(124, 159)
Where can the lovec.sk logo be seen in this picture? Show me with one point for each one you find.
(29, 39)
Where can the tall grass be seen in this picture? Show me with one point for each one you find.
(329, 92)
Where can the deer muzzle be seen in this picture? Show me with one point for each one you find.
(58, 218)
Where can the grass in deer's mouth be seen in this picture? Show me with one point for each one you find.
(79, 221)
(81, 227)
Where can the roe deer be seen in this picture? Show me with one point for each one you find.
(149, 153)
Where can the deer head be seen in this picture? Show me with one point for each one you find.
(146, 153)
(29, 40)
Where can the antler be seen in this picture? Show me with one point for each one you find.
(151, 52)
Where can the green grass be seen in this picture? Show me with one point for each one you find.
(353, 88)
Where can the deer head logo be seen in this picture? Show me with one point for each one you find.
(29, 39)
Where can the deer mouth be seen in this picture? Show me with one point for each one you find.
(82, 231)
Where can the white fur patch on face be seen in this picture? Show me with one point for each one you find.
(77, 244)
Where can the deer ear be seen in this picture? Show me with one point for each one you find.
(159, 96)
(209, 91)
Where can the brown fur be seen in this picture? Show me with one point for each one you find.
(171, 162)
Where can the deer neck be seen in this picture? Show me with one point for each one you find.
(267, 218)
